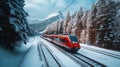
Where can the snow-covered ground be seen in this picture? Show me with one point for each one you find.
(102, 49)
(8, 59)
(32, 58)
(104, 59)
(15, 59)
(24, 47)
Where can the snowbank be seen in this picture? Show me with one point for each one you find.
(14, 59)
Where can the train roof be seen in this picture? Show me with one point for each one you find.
(59, 35)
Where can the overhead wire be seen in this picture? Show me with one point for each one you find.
(53, 7)
(68, 5)
(63, 9)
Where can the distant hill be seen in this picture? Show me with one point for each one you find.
(40, 25)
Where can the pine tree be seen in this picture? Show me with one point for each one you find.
(90, 38)
(61, 27)
(83, 31)
(105, 22)
(13, 21)
(66, 22)
(116, 41)
(78, 24)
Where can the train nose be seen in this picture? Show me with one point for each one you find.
(76, 45)
(75, 49)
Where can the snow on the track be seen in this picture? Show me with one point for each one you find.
(67, 61)
(32, 58)
(104, 59)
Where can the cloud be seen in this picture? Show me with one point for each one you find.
(34, 3)
(41, 8)
(53, 1)
(60, 5)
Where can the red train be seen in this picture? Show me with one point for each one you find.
(68, 41)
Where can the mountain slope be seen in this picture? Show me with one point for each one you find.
(41, 25)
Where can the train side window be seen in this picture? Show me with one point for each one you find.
(56, 39)
(62, 40)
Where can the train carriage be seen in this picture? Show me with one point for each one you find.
(68, 41)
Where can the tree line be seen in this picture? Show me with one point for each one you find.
(99, 26)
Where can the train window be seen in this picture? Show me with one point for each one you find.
(59, 39)
(62, 40)
(73, 38)
(56, 39)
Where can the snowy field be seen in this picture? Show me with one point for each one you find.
(16, 58)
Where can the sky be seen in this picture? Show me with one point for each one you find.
(40, 9)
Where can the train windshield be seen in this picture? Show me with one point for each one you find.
(73, 38)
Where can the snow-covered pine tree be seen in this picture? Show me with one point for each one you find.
(47, 30)
(56, 27)
(106, 12)
(66, 22)
(116, 41)
(77, 24)
(60, 28)
(83, 31)
(13, 22)
(90, 24)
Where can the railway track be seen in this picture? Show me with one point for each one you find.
(72, 57)
(89, 61)
(103, 52)
(48, 58)
(81, 59)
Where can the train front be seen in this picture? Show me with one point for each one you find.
(75, 42)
